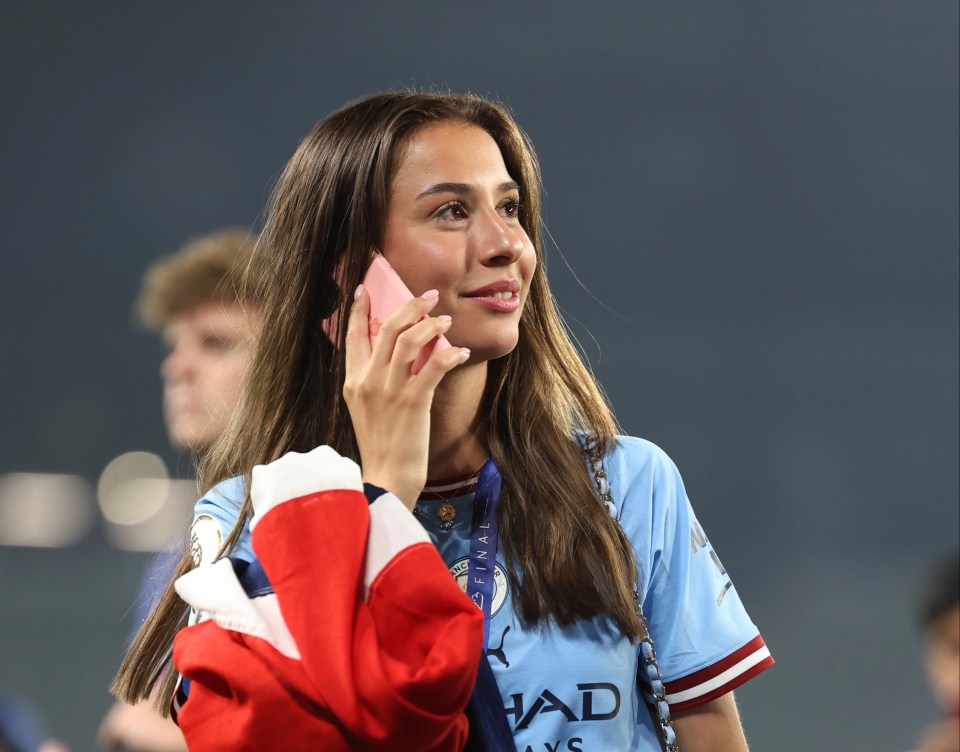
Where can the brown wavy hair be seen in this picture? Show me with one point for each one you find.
(566, 558)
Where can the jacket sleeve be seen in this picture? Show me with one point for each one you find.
(368, 615)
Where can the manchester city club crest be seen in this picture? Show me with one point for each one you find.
(459, 571)
(205, 540)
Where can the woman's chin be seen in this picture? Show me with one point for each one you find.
(488, 349)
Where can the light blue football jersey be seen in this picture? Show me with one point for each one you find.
(574, 688)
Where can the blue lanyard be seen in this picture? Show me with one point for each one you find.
(483, 543)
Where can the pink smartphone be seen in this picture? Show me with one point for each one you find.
(387, 293)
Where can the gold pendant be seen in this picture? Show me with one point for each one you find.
(447, 512)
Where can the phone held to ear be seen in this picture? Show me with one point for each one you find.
(387, 293)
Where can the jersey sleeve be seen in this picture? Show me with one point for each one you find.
(362, 623)
(214, 516)
(705, 641)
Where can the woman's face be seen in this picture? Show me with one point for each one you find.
(453, 225)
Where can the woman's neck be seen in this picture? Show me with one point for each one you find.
(458, 433)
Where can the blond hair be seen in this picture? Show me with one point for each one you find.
(206, 270)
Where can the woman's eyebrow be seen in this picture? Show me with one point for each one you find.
(510, 185)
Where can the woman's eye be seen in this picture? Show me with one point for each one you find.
(511, 208)
(453, 210)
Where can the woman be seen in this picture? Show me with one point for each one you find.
(502, 446)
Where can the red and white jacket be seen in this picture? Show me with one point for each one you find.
(361, 640)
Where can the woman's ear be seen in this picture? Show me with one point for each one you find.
(330, 298)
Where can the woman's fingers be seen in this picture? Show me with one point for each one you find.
(358, 333)
(389, 404)
(387, 365)
(398, 341)
(402, 319)
(439, 364)
(411, 342)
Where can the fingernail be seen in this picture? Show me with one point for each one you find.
(465, 351)
(430, 295)
(358, 292)
(445, 317)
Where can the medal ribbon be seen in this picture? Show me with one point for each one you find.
(483, 543)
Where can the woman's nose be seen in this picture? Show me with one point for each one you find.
(501, 242)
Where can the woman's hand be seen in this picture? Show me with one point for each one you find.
(389, 404)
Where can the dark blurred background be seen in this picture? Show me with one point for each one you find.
(755, 216)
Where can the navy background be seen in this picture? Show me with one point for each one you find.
(754, 208)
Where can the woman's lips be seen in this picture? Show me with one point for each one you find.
(500, 296)
(501, 285)
(506, 302)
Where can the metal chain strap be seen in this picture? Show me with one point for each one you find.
(657, 697)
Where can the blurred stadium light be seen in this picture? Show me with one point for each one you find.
(143, 509)
(44, 509)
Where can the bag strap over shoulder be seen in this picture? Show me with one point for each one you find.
(656, 698)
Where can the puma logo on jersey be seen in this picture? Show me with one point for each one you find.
(497, 652)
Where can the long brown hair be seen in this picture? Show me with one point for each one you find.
(566, 558)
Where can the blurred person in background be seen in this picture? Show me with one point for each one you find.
(193, 298)
(22, 729)
(940, 618)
